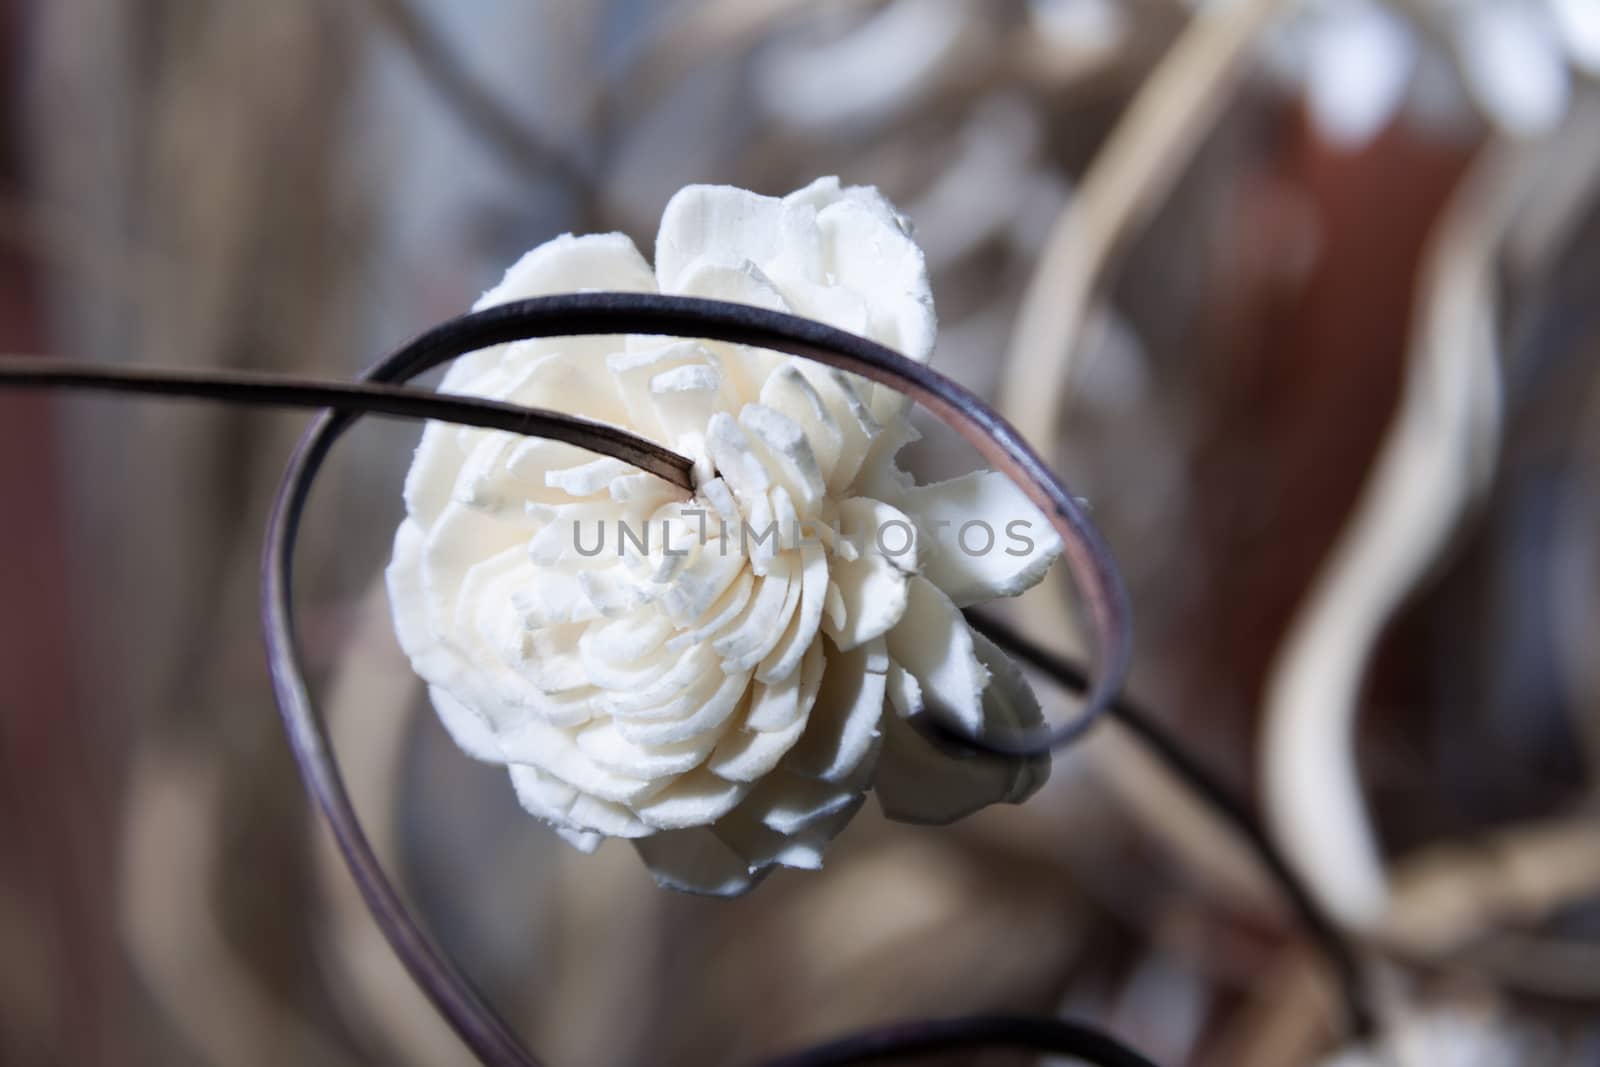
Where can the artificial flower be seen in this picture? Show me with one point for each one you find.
(719, 677)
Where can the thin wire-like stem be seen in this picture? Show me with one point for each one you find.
(273, 390)
(1213, 793)
(484, 1032)
(925, 1036)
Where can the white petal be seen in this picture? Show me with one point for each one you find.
(760, 626)
(633, 367)
(789, 804)
(986, 538)
(692, 665)
(919, 782)
(589, 813)
(741, 282)
(605, 744)
(553, 752)
(589, 478)
(696, 799)
(719, 614)
(843, 727)
(585, 841)
(784, 659)
(685, 398)
(467, 728)
(408, 605)
(594, 261)
(747, 754)
(708, 717)
(789, 392)
(871, 589)
(763, 847)
(430, 480)
(845, 395)
(787, 455)
(695, 861)
(735, 457)
(934, 645)
(872, 594)
(718, 224)
(870, 248)
(563, 806)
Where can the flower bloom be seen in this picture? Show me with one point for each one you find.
(718, 677)
(1360, 60)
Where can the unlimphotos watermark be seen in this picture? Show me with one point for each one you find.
(697, 529)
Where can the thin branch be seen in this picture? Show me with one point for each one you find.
(450, 991)
(253, 389)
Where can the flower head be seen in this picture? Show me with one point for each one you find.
(719, 677)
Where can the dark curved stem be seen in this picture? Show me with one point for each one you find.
(1214, 793)
(1085, 552)
(634, 313)
(267, 390)
(922, 1037)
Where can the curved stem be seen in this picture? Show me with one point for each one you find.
(452, 992)
(271, 390)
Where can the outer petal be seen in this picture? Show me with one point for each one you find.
(918, 782)
(934, 645)
(695, 861)
(844, 724)
(985, 537)
(869, 249)
(696, 799)
(717, 224)
(563, 264)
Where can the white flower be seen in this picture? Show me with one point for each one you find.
(1361, 60)
(718, 678)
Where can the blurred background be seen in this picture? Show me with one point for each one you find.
(1301, 295)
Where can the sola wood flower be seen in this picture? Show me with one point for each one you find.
(718, 677)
